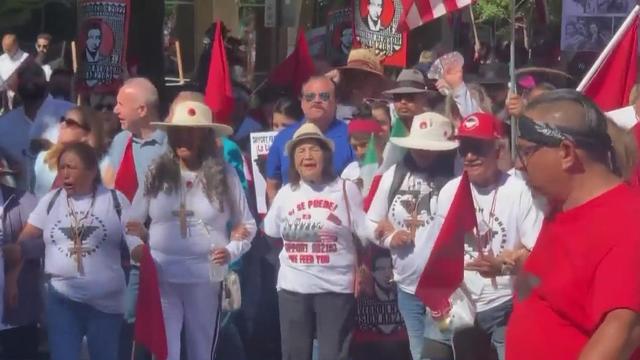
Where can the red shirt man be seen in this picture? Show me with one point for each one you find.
(578, 295)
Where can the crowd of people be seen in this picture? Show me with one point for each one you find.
(360, 179)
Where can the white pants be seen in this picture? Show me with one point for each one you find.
(196, 307)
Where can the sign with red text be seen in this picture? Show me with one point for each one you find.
(260, 145)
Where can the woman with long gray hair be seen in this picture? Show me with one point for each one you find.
(190, 196)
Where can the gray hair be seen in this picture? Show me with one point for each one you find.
(145, 90)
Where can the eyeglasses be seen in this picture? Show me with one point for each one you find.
(526, 151)
(73, 122)
(104, 107)
(311, 96)
(42, 46)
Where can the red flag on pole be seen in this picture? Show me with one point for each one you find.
(296, 68)
(444, 271)
(149, 326)
(126, 179)
(218, 94)
(611, 78)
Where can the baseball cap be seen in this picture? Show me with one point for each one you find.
(364, 126)
(480, 126)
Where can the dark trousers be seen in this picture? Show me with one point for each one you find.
(325, 316)
(19, 343)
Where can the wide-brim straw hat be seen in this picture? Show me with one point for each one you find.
(305, 132)
(429, 131)
(194, 114)
(365, 60)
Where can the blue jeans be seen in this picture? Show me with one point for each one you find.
(131, 295)
(414, 315)
(69, 321)
(494, 322)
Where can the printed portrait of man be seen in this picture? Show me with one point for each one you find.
(374, 15)
(382, 277)
(94, 40)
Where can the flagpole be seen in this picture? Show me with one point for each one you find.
(512, 73)
(610, 46)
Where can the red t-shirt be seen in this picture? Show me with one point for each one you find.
(585, 264)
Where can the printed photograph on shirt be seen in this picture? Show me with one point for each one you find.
(309, 232)
(380, 332)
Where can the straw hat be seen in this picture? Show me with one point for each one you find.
(194, 114)
(307, 131)
(365, 60)
(429, 131)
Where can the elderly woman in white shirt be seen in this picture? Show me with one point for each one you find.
(82, 232)
(191, 196)
(316, 215)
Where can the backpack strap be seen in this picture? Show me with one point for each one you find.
(116, 203)
(399, 174)
(53, 200)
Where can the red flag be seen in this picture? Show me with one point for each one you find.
(149, 326)
(219, 93)
(616, 68)
(375, 183)
(418, 12)
(445, 268)
(126, 179)
(296, 68)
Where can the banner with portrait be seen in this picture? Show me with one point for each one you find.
(380, 332)
(375, 24)
(260, 145)
(339, 36)
(589, 25)
(102, 44)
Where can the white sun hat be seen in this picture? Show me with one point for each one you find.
(429, 131)
(194, 114)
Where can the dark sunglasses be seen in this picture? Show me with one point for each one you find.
(104, 107)
(311, 96)
(73, 122)
(407, 97)
(475, 146)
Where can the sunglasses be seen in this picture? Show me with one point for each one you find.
(73, 122)
(475, 147)
(104, 107)
(311, 96)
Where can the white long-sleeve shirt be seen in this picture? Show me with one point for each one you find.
(467, 105)
(186, 259)
(318, 254)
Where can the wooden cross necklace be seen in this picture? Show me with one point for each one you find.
(78, 231)
(183, 213)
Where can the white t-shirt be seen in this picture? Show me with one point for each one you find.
(318, 254)
(420, 192)
(351, 172)
(102, 285)
(45, 176)
(516, 222)
(186, 259)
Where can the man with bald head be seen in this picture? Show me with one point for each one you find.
(136, 107)
(578, 294)
(11, 58)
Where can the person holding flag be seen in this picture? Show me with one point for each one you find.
(190, 196)
(508, 226)
(577, 295)
(365, 136)
(407, 198)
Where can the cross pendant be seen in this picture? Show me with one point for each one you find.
(413, 224)
(182, 213)
(78, 251)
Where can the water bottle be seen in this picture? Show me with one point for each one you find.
(216, 272)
